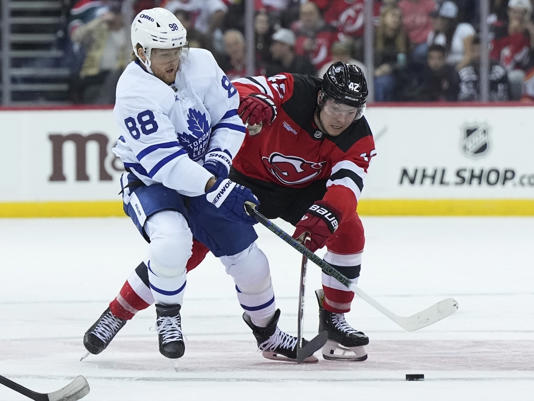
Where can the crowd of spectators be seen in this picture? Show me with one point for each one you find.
(424, 50)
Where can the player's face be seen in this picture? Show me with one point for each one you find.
(336, 117)
(164, 64)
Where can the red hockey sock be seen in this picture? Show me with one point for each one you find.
(127, 303)
(337, 301)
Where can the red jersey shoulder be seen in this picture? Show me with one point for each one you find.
(279, 87)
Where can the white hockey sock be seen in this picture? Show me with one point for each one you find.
(260, 307)
(167, 290)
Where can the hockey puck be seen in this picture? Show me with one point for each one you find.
(415, 377)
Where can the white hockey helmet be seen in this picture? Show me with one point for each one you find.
(157, 28)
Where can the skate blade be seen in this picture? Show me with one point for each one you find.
(84, 356)
(333, 351)
(282, 358)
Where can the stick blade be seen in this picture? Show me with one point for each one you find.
(313, 345)
(431, 315)
(73, 391)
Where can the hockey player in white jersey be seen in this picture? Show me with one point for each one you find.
(180, 130)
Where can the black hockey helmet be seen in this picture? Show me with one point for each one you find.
(346, 84)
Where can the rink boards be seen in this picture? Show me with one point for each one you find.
(462, 160)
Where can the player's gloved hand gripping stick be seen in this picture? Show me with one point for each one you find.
(320, 221)
(229, 197)
(426, 317)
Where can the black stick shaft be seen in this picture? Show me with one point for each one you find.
(23, 390)
(302, 289)
(325, 266)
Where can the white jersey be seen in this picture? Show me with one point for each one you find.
(168, 129)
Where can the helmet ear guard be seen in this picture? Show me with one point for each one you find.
(321, 99)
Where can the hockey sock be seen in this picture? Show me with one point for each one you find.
(259, 306)
(336, 297)
(337, 301)
(135, 294)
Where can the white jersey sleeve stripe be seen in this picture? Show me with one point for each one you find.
(234, 127)
(348, 174)
(348, 165)
(229, 113)
(164, 161)
(152, 148)
(346, 182)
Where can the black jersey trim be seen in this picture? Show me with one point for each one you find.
(142, 273)
(345, 173)
(303, 102)
(351, 272)
(258, 84)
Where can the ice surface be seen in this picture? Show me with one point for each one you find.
(57, 276)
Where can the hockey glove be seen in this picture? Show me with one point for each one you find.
(218, 163)
(257, 109)
(320, 222)
(230, 199)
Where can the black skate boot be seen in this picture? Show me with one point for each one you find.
(169, 326)
(100, 334)
(344, 342)
(275, 343)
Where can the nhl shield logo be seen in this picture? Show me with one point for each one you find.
(475, 140)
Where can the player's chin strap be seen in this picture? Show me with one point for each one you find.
(147, 63)
(426, 317)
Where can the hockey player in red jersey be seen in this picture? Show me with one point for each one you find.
(307, 165)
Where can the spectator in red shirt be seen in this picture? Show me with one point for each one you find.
(512, 43)
(347, 16)
(314, 35)
(418, 24)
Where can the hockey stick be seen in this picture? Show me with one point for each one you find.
(319, 340)
(426, 317)
(73, 391)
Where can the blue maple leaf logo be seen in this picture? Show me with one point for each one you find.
(196, 140)
(197, 123)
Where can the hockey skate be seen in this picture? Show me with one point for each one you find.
(169, 327)
(100, 334)
(344, 342)
(274, 343)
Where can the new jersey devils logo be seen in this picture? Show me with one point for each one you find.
(291, 170)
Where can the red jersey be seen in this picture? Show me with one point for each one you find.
(293, 152)
(347, 16)
(512, 51)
